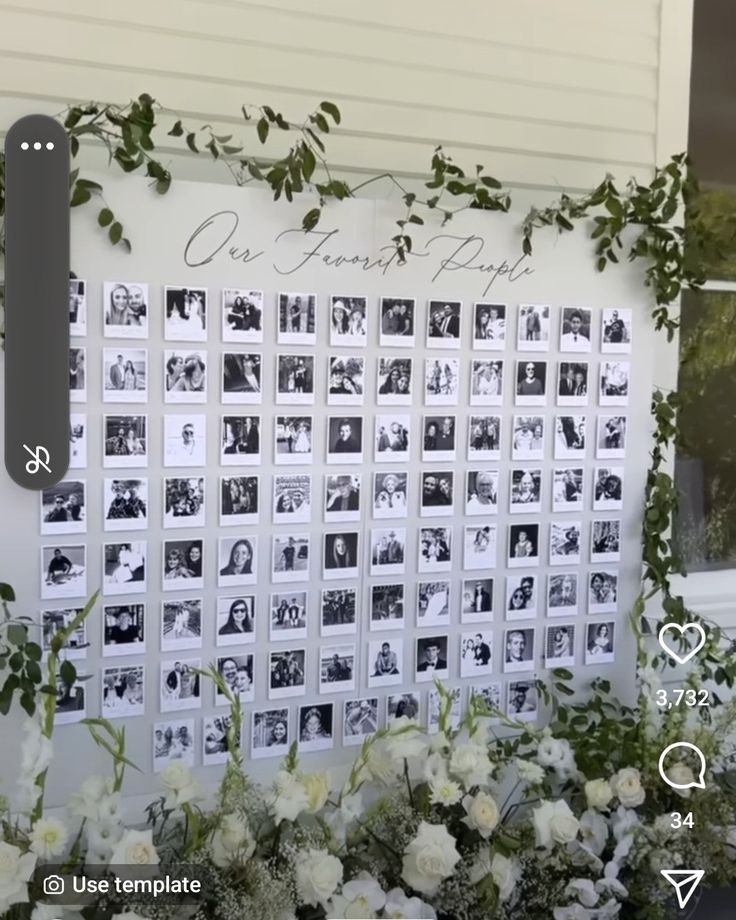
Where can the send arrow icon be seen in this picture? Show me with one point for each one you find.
(684, 881)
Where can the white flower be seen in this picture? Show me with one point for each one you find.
(445, 792)
(36, 749)
(46, 912)
(609, 911)
(429, 858)
(480, 867)
(623, 821)
(557, 755)
(434, 768)
(481, 813)
(317, 787)
(405, 740)
(611, 886)
(530, 772)
(351, 807)
(289, 797)
(135, 848)
(554, 823)
(626, 784)
(438, 744)
(682, 775)
(128, 915)
(101, 839)
(378, 766)
(399, 907)
(181, 787)
(360, 898)
(92, 793)
(231, 841)
(15, 870)
(48, 837)
(598, 793)
(506, 873)
(470, 763)
(594, 830)
(573, 912)
(584, 890)
(318, 874)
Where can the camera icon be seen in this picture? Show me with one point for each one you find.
(53, 884)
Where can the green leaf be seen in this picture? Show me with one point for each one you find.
(80, 195)
(192, 142)
(309, 162)
(105, 217)
(17, 634)
(311, 218)
(262, 130)
(115, 232)
(33, 651)
(332, 110)
(68, 673)
(177, 130)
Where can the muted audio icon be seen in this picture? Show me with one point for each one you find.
(41, 458)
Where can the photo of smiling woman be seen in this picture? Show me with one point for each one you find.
(270, 733)
(237, 561)
(236, 620)
(340, 555)
(126, 309)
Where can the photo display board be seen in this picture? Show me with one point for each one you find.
(335, 477)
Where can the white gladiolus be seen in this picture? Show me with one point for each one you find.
(434, 768)
(626, 785)
(505, 873)
(400, 907)
(135, 848)
(181, 787)
(48, 837)
(554, 822)
(318, 874)
(359, 898)
(405, 741)
(102, 839)
(317, 788)
(231, 841)
(288, 798)
(482, 813)
(429, 858)
(594, 831)
(584, 890)
(379, 766)
(15, 870)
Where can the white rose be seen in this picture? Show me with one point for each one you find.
(135, 848)
(505, 873)
(318, 874)
(48, 837)
(470, 763)
(626, 785)
(598, 793)
(550, 751)
(594, 831)
(681, 774)
(317, 787)
(530, 772)
(399, 907)
(289, 797)
(429, 858)
(180, 785)
(555, 823)
(445, 792)
(231, 841)
(15, 870)
(481, 813)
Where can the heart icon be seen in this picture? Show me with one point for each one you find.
(675, 627)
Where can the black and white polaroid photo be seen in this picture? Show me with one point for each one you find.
(239, 500)
(344, 439)
(614, 383)
(185, 377)
(340, 555)
(437, 493)
(292, 498)
(484, 437)
(348, 322)
(402, 706)
(123, 691)
(290, 557)
(518, 649)
(180, 684)
(242, 378)
(242, 315)
(123, 630)
(476, 653)
(77, 441)
(55, 621)
(525, 496)
(237, 672)
(522, 597)
(562, 594)
(288, 616)
(185, 314)
(185, 440)
(431, 658)
(77, 307)
(567, 489)
(293, 440)
(124, 568)
(479, 546)
(184, 501)
(181, 624)
(389, 495)
(78, 377)
(559, 645)
(240, 440)
(481, 492)
(572, 383)
(336, 668)
(183, 565)
(385, 662)
(605, 541)
(489, 326)
(287, 673)
(444, 323)
(433, 603)
(392, 438)
(533, 333)
(522, 703)
(603, 591)
(486, 382)
(441, 381)
(394, 382)
(487, 697)
(269, 733)
(345, 380)
(608, 488)
(570, 437)
(476, 600)
(215, 739)
(564, 542)
(316, 728)
(236, 620)
(126, 309)
(339, 612)
(342, 497)
(125, 504)
(173, 741)
(435, 549)
(599, 643)
(297, 318)
(611, 440)
(64, 507)
(387, 607)
(398, 322)
(616, 331)
(388, 551)
(575, 329)
(434, 709)
(125, 440)
(71, 701)
(527, 442)
(295, 379)
(439, 434)
(360, 720)
(523, 545)
(237, 561)
(531, 383)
